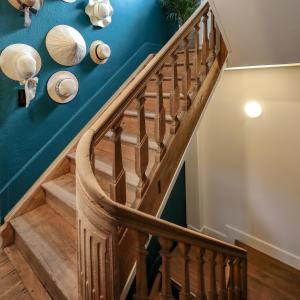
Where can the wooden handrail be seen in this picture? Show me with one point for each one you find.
(106, 221)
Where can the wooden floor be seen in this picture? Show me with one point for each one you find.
(11, 286)
(270, 279)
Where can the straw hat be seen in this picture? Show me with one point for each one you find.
(65, 45)
(20, 62)
(100, 12)
(100, 52)
(35, 4)
(62, 87)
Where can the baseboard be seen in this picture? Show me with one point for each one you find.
(211, 232)
(263, 246)
(16, 187)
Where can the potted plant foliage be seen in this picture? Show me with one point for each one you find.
(179, 10)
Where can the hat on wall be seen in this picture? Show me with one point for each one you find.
(100, 52)
(62, 87)
(65, 45)
(100, 12)
(27, 6)
(22, 63)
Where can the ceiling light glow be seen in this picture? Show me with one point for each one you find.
(253, 109)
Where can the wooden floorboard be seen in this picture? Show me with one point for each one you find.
(270, 279)
(11, 286)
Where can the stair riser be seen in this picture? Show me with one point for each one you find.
(130, 125)
(168, 70)
(61, 208)
(167, 86)
(44, 277)
(151, 104)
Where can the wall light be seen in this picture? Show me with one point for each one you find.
(253, 109)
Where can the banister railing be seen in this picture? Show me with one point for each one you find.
(111, 236)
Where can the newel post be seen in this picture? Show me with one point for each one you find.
(97, 247)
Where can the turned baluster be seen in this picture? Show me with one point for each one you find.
(204, 52)
(244, 278)
(197, 57)
(212, 41)
(141, 270)
(237, 279)
(141, 148)
(186, 102)
(199, 260)
(175, 94)
(160, 119)
(185, 289)
(231, 279)
(222, 294)
(166, 288)
(118, 184)
(212, 293)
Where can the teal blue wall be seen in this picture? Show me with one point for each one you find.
(30, 139)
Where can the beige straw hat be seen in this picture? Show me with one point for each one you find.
(100, 12)
(62, 87)
(100, 52)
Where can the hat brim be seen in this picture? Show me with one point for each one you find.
(93, 55)
(89, 10)
(9, 56)
(16, 4)
(51, 86)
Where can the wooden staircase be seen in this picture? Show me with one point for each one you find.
(106, 188)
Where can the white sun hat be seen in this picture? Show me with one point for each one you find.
(65, 45)
(100, 52)
(27, 6)
(62, 87)
(22, 63)
(100, 12)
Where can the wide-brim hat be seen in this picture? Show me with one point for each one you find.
(99, 52)
(53, 86)
(101, 22)
(9, 58)
(37, 6)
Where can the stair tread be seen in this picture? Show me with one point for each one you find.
(52, 241)
(149, 115)
(165, 95)
(64, 188)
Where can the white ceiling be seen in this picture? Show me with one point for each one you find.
(260, 32)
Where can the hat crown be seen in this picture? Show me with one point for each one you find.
(103, 51)
(101, 10)
(26, 66)
(66, 87)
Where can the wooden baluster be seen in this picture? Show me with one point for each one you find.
(204, 52)
(186, 102)
(118, 184)
(185, 289)
(237, 279)
(141, 270)
(141, 148)
(222, 293)
(212, 41)
(212, 293)
(197, 57)
(231, 279)
(175, 94)
(199, 260)
(160, 119)
(244, 278)
(166, 289)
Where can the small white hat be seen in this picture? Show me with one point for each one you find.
(62, 87)
(100, 52)
(20, 62)
(100, 12)
(66, 45)
(37, 4)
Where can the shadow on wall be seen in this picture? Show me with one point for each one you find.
(31, 138)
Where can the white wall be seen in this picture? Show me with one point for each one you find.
(248, 179)
(260, 32)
